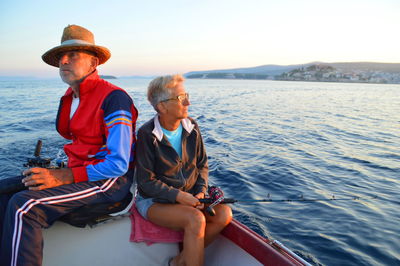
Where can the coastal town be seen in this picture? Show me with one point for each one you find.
(317, 72)
(327, 73)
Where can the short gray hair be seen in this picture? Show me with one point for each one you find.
(159, 88)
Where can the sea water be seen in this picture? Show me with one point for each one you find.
(267, 140)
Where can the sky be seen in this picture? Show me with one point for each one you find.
(177, 36)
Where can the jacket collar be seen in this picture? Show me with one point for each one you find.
(158, 133)
(86, 85)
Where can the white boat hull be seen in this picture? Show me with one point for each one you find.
(108, 244)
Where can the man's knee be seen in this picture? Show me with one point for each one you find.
(19, 199)
(24, 202)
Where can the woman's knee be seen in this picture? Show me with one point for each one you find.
(196, 222)
(223, 215)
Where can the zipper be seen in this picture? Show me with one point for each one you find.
(182, 178)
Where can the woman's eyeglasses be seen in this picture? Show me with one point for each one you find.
(181, 98)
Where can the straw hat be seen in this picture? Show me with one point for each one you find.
(76, 38)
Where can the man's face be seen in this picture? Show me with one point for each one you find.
(76, 65)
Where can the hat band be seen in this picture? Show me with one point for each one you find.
(75, 41)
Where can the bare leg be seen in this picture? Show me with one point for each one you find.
(189, 219)
(215, 224)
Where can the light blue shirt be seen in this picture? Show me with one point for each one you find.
(175, 138)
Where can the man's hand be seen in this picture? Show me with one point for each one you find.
(187, 199)
(42, 178)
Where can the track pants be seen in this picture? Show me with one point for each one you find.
(24, 214)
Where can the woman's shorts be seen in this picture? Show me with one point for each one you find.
(143, 205)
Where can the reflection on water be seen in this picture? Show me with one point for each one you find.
(285, 139)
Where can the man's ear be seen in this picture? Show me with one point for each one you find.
(94, 62)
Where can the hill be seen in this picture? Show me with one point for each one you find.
(280, 71)
(107, 77)
(263, 70)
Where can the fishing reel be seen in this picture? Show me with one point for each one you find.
(14, 184)
(217, 196)
(38, 161)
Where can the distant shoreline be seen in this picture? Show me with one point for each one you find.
(2, 79)
(350, 72)
(341, 72)
(310, 81)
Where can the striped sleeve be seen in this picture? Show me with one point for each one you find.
(119, 119)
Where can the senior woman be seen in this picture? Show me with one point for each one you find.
(172, 171)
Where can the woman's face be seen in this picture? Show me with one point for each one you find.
(177, 106)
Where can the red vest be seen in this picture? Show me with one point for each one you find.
(86, 129)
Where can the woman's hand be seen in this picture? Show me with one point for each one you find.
(200, 195)
(187, 199)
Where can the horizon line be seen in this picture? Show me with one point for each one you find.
(235, 68)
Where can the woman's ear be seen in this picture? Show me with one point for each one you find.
(161, 108)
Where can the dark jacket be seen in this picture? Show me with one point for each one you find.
(160, 172)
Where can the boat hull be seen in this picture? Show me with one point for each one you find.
(108, 244)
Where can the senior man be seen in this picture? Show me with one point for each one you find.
(99, 119)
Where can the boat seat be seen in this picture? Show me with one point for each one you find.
(95, 213)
